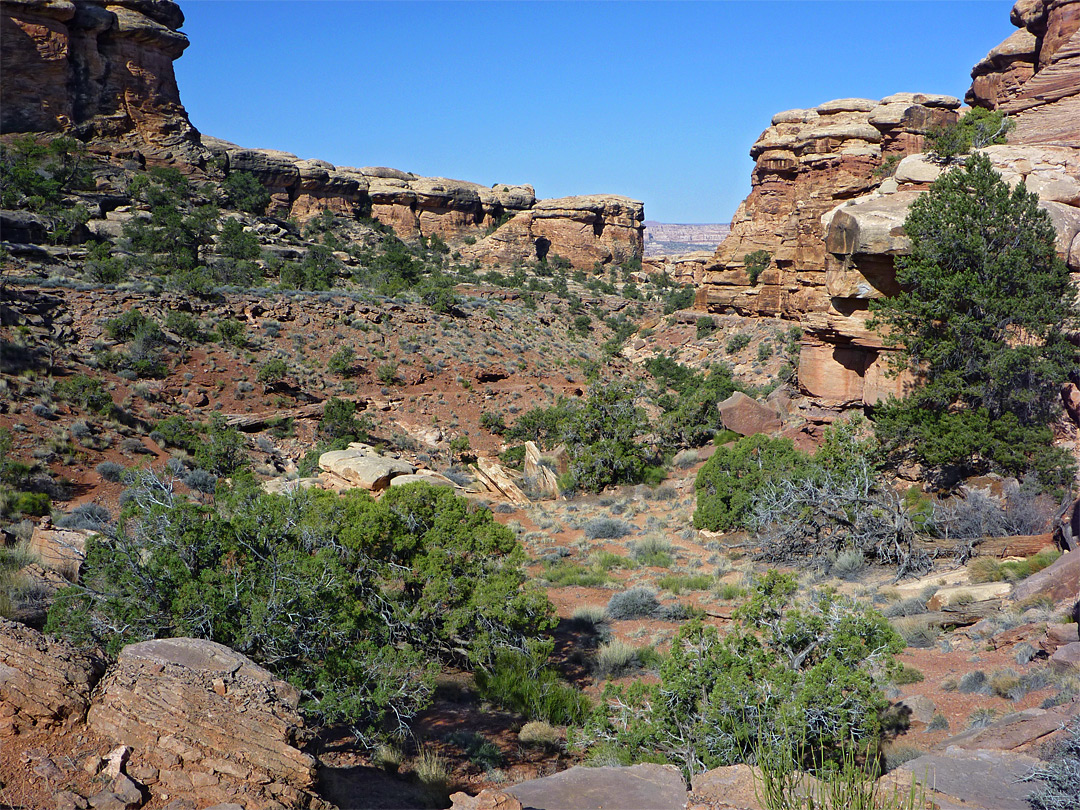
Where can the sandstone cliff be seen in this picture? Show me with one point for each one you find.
(832, 223)
(505, 223)
(101, 70)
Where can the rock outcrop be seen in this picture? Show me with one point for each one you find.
(505, 223)
(205, 716)
(1034, 75)
(833, 224)
(808, 162)
(43, 683)
(101, 70)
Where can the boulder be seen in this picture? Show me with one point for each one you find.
(62, 550)
(486, 799)
(360, 466)
(747, 417)
(539, 475)
(1059, 581)
(727, 786)
(209, 706)
(657, 787)
(918, 708)
(1066, 659)
(43, 683)
(1018, 730)
(498, 481)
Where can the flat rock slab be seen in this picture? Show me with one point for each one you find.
(639, 787)
(198, 655)
(1016, 730)
(1060, 581)
(974, 780)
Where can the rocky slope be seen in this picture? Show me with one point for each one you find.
(104, 72)
(824, 210)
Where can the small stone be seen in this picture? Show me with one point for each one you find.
(115, 761)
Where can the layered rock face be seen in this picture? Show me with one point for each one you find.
(42, 683)
(833, 227)
(200, 712)
(101, 69)
(1034, 75)
(807, 162)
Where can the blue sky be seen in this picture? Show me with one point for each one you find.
(659, 101)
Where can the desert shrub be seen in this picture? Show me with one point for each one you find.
(221, 450)
(524, 683)
(89, 392)
(109, 471)
(92, 516)
(905, 675)
(183, 325)
(978, 127)
(614, 659)
(677, 583)
(729, 482)
(232, 331)
(981, 717)
(635, 603)
(848, 565)
(201, 481)
(480, 750)
(606, 560)
(974, 683)
(737, 342)
(339, 422)
(705, 326)
(379, 591)
(1023, 652)
(807, 672)
(653, 552)
(938, 722)
(589, 616)
(915, 631)
(244, 192)
(1060, 775)
(566, 573)
(601, 528)
(541, 734)
(909, 606)
(272, 371)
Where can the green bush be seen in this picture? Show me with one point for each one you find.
(272, 371)
(756, 263)
(728, 482)
(977, 128)
(377, 592)
(524, 684)
(244, 192)
(786, 671)
(339, 422)
(89, 392)
(737, 342)
(705, 327)
(341, 362)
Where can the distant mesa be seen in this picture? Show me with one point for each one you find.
(671, 239)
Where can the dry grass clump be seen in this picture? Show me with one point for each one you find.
(539, 734)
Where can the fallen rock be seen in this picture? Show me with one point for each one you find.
(497, 480)
(746, 416)
(918, 708)
(657, 787)
(1014, 731)
(486, 799)
(62, 550)
(213, 708)
(538, 474)
(961, 594)
(43, 682)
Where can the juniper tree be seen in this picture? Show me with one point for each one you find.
(982, 320)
